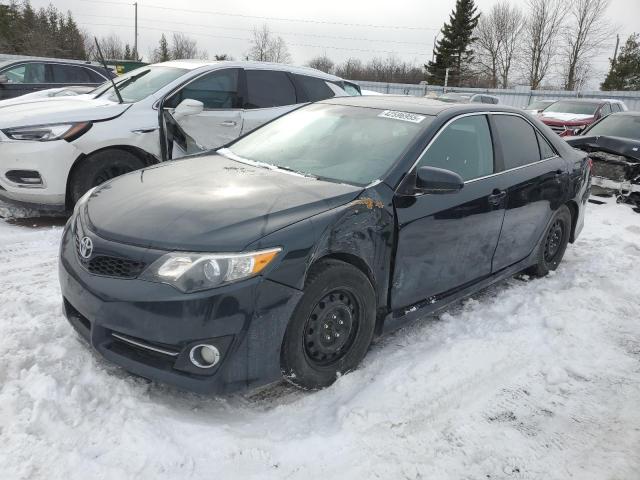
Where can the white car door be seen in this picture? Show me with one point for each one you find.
(270, 93)
(221, 118)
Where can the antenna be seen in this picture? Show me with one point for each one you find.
(104, 64)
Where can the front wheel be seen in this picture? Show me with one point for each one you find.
(331, 328)
(554, 243)
(100, 167)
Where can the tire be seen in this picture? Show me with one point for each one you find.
(100, 167)
(331, 328)
(554, 243)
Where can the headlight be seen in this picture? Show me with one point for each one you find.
(191, 272)
(46, 133)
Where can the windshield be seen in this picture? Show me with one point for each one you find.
(627, 126)
(140, 83)
(335, 142)
(538, 105)
(579, 108)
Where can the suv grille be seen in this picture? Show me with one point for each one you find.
(557, 128)
(108, 266)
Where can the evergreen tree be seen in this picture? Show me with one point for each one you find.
(624, 73)
(162, 52)
(453, 50)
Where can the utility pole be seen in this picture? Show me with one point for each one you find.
(446, 80)
(433, 52)
(615, 52)
(135, 39)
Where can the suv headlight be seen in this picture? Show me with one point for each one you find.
(192, 272)
(47, 133)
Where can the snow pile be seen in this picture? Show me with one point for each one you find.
(534, 379)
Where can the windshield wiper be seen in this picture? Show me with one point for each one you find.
(104, 64)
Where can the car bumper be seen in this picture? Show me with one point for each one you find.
(51, 161)
(149, 329)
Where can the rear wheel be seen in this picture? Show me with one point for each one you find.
(554, 244)
(331, 328)
(100, 167)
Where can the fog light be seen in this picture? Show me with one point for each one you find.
(204, 356)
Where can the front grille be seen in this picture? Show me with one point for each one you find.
(557, 128)
(114, 267)
(109, 266)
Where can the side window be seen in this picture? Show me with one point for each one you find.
(605, 110)
(266, 88)
(69, 74)
(96, 77)
(615, 107)
(546, 150)
(518, 140)
(314, 88)
(463, 147)
(215, 90)
(26, 73)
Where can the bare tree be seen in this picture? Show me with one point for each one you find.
(583, 37)
(112, 47)
(183, 47)
(267, 48)
(322, 63)
(542, 31)
(487, 46)
(510, 20)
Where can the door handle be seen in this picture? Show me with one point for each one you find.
(228, 123)
(496, 197)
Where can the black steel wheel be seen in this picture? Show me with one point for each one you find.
(554, 243)
(331, 328)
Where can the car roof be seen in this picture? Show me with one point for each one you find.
(419, 105)
(192, 64)
(11, 59)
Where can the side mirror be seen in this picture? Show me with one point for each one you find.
(188, 107)
(4, 79)
(438, 180)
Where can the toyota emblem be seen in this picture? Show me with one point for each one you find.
(86, 247)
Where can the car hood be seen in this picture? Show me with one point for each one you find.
(207, 203)
(42, 111)
(627, 147)
(566, 117)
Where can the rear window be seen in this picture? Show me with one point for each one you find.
(518, 140)
(267, 88)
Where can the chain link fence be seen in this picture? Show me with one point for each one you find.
(513, 97)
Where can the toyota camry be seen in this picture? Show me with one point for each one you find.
(285, 252)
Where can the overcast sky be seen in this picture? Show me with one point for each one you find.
(339, 28)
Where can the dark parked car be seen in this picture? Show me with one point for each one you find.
(26, 75)
(283, 253)
(613, 144)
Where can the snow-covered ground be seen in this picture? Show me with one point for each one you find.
(531, 379)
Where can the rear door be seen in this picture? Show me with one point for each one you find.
(446, 241)
(270, 93)
(222, 117)
(23, 78)
(535, 179)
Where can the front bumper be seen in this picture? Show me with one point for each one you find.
(246, 321)
(51, 160)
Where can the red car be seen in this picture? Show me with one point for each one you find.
(570, 117)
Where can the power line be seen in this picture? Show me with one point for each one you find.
(334, 37)
(145, 27)
(280, 19)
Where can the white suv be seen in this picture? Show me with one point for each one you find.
(52, 150)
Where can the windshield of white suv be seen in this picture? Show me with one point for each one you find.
(579, 108)
(140, 83)
(340, 143)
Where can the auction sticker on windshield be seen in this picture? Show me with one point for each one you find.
(407, 117)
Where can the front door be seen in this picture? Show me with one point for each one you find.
(220, 121)
(23, 78)
(446, 241)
